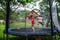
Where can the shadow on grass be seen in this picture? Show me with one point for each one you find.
(18, 38)
(25, 38)
(30, 38)
(13, 38)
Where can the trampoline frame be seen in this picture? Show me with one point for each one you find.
(8, 15)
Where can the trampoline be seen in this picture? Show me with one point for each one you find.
(38, 31)
(29, 31)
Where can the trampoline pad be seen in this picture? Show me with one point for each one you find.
(29, 31)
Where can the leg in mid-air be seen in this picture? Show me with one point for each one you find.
(41, 23)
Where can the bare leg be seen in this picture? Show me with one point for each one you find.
(33, 27)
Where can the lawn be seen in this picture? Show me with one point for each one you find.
(22, 24)
(2, 26)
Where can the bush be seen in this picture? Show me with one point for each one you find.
(59, 18)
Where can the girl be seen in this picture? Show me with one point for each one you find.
(40, 19)
(32, 22)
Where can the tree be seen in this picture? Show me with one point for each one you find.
(13, 3)
(2, 15)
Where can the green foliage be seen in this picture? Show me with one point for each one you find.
(58, 10)
(24, 1)
(2, 14)
(14, 16)
(59, 17)
(56, 36)
(13, 2)
(59, 14)
(17, 15)
(58, 1)
(24, 13)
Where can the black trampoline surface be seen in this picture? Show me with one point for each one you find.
(29, 31)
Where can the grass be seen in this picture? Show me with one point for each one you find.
(22, 24)
(2, 27)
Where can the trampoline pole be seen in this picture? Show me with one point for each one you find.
(7, 17)
(25, 23)
(26, 37)
(52, 34)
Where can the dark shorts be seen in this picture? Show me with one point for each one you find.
(41, 23)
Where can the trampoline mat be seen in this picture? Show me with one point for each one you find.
(29, 31)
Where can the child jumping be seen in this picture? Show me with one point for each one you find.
(40, 20)
(32, 22)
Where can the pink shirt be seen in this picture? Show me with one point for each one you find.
(40, 19)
